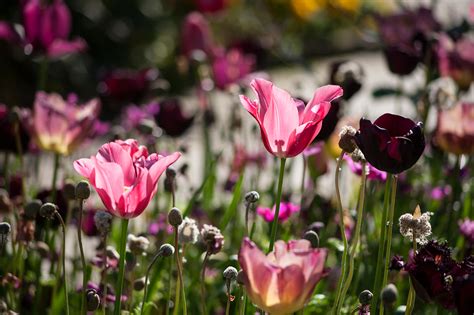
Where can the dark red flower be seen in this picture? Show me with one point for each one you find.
(196, 35)
(392, 143)
(171, 118)
(127, 84)
(211, 6)
(7, 130)
(463, 288)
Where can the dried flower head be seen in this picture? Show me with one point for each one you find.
(93, 300)
(166, 250)
(103, 221)
(416, 226)
(137, 244)
(347, 140)
(212, 238)
(48, 210)
(188, 231)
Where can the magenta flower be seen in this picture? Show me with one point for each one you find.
(456, 60)
(196, 35)
(47, 28)
(284, 280)
(286, 210)
(372, 172)
(61, 126)
(231, 66)
(125, 175)
(211, 6)
(466, 228)
(288, 127)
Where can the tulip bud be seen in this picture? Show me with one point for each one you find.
(389, 294)
(166, 250)
(83, 190)
(365, 297)
(48, 210)
(175, 218)
(32, 208)
(93, 300)
(5, 228)
(312, 237)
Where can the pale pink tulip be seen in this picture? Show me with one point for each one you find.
(287, 126)
(284, 280)
(125, 175)
(61, 126)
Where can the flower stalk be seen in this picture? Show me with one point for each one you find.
(274, 227)
(120, 280)
(63, 259)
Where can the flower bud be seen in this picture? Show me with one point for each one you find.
(170, 180)
(5, 228)
(83, 190)
(188, 231)
(212, 238)
(230, 273)
(347, 140)
(48, 210)
(312, 237)
(139, 284)
(137, 244)
(365, 297)
(389, 294)
(175, 218)
(252, 197)
(166, 250)
(93, 300)
(69, 190)
(171, 172)
(32, 208)
(103, 221)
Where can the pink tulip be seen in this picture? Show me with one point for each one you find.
(125, 175)
(196, 35)
(231, 66)
(286, 210)
(61, 126)
(286, 125)
(284, 280)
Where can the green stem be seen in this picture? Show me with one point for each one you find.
(383, 225)
(411, 293)
(203, 289)
(55, 177)
(63, 259)
(43, 74)
(393, 194)
(338, 302)
(168, 298)
(146, 280)
(180, 272)
(274, 228)
(355, 240)
(19, 149)
(119, 286)
(104, 274)
(83, 259)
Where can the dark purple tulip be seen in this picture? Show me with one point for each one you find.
(8, 139)
(127, 84)
(405, 38)
(211, 6)
(463, 287)
(32, 21)
(392, 143)
(432, 271)
(348, 75)
(172, 119)
(196, 35)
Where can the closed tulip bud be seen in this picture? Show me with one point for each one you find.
(313, 238)
(93, 300)
(365, 297)
(48, 210)
(32, 208)
(389, 294)
(175, 218)
(166, 250)
(83, 190)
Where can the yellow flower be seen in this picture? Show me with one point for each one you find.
(306, 8)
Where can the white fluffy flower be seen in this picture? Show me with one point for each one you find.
(416, 226)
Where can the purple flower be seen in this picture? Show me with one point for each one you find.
(466, 228)
(231, 66)
(391, 143)
(372, 172)
(172, 119)
(286, 210)
(160, 224)
(47, 27)
(440, 192)
(196, 35)
(456, 60)
(134, 115)
(127, 84)
(211, 6)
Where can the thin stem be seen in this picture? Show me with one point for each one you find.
(119, 286)
(381, 250)
(274, 228)
(393, 194)
(227, 307)
(411, 293)
(180, 272)
(146, 279)
(43, 74)
(168, 298)
(203, 289)
(55, 177)
(63, 258)
(104, 274)
(338, 303)
(83, 259)
(19, 149)
(355, 240)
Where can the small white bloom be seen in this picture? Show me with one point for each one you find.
(188, 231)
(416, 225)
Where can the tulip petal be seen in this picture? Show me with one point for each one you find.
(264, 90)
(302, 137)
(113, 152)
(161, 165)
(108, 180)
(84, 167)
(291, 283)
(327, 93)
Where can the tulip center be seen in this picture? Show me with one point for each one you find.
(279, 144)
